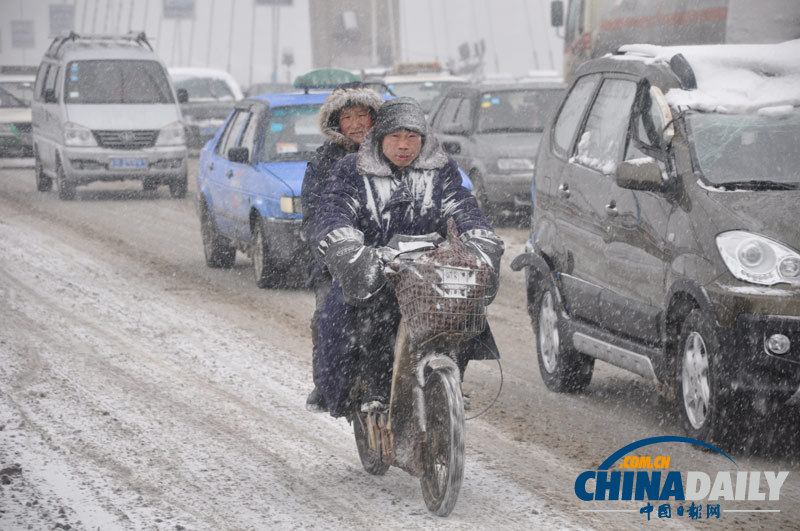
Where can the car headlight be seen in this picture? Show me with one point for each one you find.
(78, 135)
(291, 205)
(514, 164)
(172, 135)
(757, 259)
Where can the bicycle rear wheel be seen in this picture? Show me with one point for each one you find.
(443, 448)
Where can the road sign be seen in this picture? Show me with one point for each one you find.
(61, 18)
(22, 34)
(178, 8)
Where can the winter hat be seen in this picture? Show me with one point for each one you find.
(341, 98)
(399, 114)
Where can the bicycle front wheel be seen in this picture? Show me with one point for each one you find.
(443, 448)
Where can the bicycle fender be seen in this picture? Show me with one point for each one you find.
(434, 362)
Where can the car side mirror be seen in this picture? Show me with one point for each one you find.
(239, 154)
(183, 95)
(455, 129)
(50, 96)
(640, 174)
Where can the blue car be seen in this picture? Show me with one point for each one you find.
(248, 183)
(249, 179)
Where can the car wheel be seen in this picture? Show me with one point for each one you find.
(264, 267)
(177, 188)
(43, 182)
(563, 369)
(702, 403)
(219, 253)
(66, 189)
(148, 185)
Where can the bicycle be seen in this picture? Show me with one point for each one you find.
(441, 304)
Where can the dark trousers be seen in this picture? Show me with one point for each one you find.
(377, 332)
(322, 286)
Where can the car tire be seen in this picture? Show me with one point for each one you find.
(563, 369)
(218, 251)
(264, 267)
(66, 189)
(43, 182)
(178, 187)
(148, 185)
(703, 404)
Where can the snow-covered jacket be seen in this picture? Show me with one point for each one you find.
(335, 147)
(369, 201)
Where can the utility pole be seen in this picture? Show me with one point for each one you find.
(210, 33)
(230, 34)
(252, 43)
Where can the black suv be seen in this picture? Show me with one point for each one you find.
(664, 236)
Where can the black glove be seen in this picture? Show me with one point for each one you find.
(357, 268)
(488, 247)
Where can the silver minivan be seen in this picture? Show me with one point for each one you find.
(104, 109)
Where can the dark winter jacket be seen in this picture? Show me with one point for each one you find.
(335, 147)
(366, 202)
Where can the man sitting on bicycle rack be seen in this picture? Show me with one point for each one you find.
(399, 182)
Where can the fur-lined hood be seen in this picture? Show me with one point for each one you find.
(371, 161)
(328, 117)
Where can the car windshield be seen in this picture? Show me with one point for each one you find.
(747, 151)
(22, 90)
(516, 111)
(425, 92)
(110, 82)
(292, 134)
(8, 100)
(205, 89)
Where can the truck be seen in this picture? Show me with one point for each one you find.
(593, 28)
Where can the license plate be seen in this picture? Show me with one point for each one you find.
(127, 164)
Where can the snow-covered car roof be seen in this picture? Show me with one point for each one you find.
(17, 78)
(179, 73)
(731, 78)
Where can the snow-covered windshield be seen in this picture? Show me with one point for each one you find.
(115, 81)
(425, 92)
(22, 90)
(751, 150)
(8, 100)
(292, 134)
(512, 111)
(205, 89)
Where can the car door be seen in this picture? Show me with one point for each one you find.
(585, 191)
(221, 173)
(454, 125)
(638, 248)
(245, 179)
(50, 118)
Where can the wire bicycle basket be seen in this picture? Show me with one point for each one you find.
(444, 292)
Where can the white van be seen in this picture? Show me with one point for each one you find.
(104, 109)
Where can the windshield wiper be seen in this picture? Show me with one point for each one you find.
(756, 184)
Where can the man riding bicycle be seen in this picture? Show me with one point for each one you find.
(399, 182)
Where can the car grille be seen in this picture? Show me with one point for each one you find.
(126, 139)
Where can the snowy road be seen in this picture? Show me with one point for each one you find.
(141, 390)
